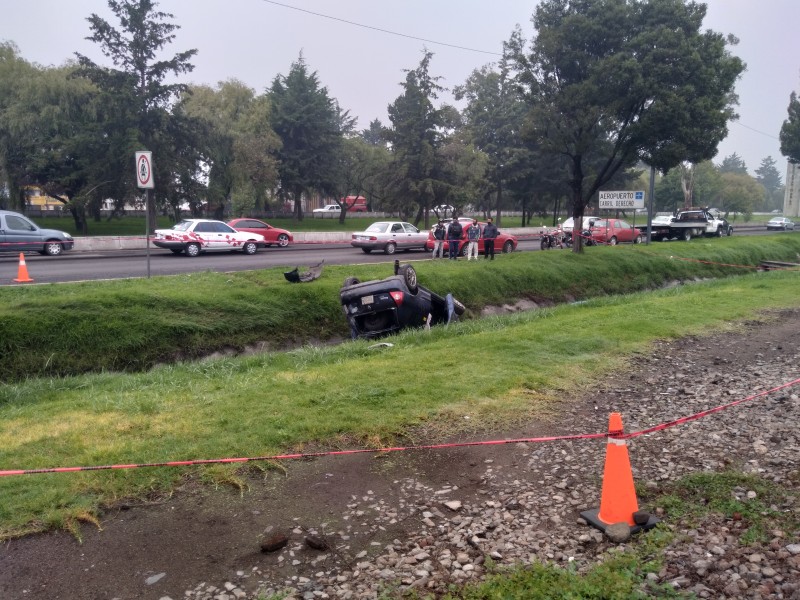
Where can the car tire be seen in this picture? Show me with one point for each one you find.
(612, 241)
(458, 308)
(508, 247)
(720, 232)
(464, 250)
(53, 248)
(729, 232)
(637, 239)
(176, 250)
(390, 248)
(687, 235)
(350, 281)
(283, 240)
(409, 275)
(366, 250)
(192, 250)
(250, 248)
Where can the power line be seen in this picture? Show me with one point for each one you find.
(411, 37)
(769, 135)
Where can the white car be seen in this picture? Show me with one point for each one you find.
(194, 236)
(389, 236)
(328, 208)
(780, 223)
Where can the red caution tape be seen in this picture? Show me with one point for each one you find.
(587, 436)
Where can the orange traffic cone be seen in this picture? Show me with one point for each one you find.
(22, 272)
(618, 497)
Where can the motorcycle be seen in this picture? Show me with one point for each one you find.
(555, 239)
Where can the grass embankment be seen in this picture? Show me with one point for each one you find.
(266, 403)
(132, 325)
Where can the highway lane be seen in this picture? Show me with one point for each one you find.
(121, 264)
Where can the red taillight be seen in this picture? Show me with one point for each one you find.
(397, 297)
(373, 239)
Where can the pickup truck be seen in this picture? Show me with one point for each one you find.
(691, 223)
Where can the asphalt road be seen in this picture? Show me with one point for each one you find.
(121, 264)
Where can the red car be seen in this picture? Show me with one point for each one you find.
(272, 235)
(614, 231)
(503, 243)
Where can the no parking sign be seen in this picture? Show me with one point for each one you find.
(144, 170)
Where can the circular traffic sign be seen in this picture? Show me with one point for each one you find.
(144, 172)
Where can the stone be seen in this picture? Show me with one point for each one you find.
(619, 533)
(274, 542)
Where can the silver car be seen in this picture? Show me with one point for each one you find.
(780, 223)
(389, 236)
(19, 234)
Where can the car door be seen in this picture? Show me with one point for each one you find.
(20, 234)
(623, 230)
(416, 238)
(397, 234)
(207, 235)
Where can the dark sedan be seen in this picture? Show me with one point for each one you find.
(381, 307)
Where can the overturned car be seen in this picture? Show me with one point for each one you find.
(381, 307)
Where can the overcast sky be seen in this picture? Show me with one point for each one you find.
(362, 67)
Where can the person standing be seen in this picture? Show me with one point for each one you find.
(438, 240)
(454, 232)
(489, 236)
(473, 235)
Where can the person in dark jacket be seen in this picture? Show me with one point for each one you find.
(454, 232)
(438, 240)
(489, 236)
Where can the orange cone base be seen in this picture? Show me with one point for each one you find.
(591, 517)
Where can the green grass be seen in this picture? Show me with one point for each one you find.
(133, 325)
(267, 403)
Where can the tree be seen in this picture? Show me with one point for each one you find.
(739, 193)
(239, 144)
(137, 99)
(493, 120)
(767, 175)
(415, 139)
(733, 164)
(706, 187)
(612, 82)
(310, 126)
(790, 131)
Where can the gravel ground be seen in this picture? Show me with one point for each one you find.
(359, 526)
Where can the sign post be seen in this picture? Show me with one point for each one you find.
(144, 179)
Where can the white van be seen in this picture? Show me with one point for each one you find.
(567, 225)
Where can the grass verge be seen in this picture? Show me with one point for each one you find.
(133, 325)
(266, 403)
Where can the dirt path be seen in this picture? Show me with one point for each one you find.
(194, 543)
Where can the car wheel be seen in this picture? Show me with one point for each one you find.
(351, 281)
(458, 308)
(508, 247)
(52, 248)
(720, 232)
(250, 248)
(192, 250)
(730, 231)
(366, 250)
(176, 250)
(283, 240)
(390, 248)
(465, 250)
(637, 239)
(687, 235)
(410, 277)
(612, 241)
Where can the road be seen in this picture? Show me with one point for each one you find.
(121, 264)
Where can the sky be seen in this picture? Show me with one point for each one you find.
(360, 48)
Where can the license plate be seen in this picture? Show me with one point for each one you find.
(367, 300)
